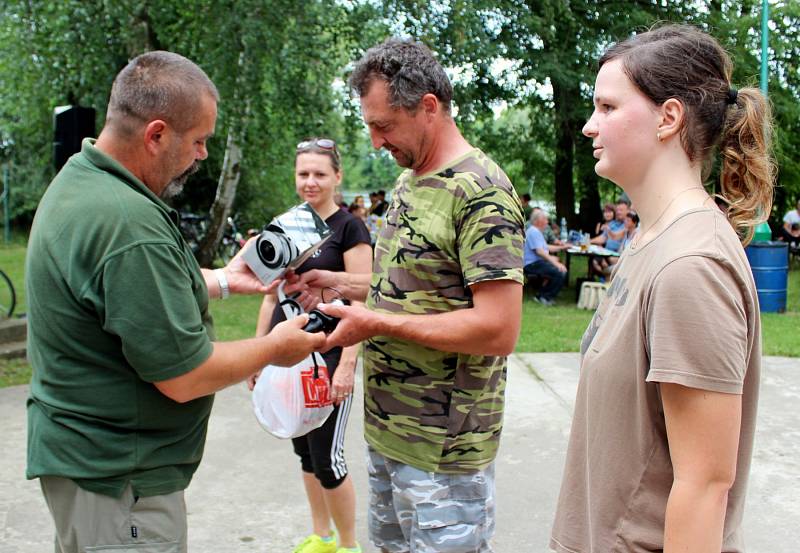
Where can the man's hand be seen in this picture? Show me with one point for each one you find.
(356, 324)
(560, 266)
(291, 344)
(241, 280)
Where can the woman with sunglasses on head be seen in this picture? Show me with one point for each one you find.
(662, 433)
(328, 487)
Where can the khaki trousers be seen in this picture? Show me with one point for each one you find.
(89, 522)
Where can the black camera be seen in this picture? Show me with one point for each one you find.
(322, 322)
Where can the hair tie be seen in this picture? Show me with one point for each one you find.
(733, 94)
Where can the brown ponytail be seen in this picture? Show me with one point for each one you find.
(682, 62)
(748, 170)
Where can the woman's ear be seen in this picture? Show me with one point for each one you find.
(672, 113)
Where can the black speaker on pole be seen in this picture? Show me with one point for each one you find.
(72, 124)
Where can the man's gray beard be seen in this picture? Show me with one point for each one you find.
(176, 186)
(173, 189)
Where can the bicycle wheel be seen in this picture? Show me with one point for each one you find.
(8, 297)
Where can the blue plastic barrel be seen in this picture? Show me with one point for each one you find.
(769, 262)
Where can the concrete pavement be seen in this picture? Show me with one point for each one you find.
(247, 495)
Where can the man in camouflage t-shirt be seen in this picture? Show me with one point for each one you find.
(443, 311)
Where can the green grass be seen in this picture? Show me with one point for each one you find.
(235, 318)
(550, 329)
(12, 261)
(553, 329)
(560, 328)
(14, 372)
(780, 330)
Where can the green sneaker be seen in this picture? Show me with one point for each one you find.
(315, 544)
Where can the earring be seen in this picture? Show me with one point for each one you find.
(658, 135)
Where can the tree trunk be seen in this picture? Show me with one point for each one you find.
(590, 210)
(223, 201)
(565, 97)
(142, 38)
(228, 180)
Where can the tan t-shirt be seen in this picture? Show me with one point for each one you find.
(681, 309)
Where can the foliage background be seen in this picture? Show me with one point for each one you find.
(523, 73)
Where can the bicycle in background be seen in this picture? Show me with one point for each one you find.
(194, 227)
(232, 241)
(8, 296)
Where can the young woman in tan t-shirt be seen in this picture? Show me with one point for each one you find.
(664, 419)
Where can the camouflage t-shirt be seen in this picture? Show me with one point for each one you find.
(444, 231)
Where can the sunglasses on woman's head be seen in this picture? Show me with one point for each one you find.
(322, 143)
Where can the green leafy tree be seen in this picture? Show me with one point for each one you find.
(549, 50)
(274, 63)
(737, 25)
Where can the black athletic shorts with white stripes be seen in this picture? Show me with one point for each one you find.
(321, 451)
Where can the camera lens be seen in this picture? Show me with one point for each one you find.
(266, 251)
(271, 251)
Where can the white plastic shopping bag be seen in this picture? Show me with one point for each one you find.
(292, 401)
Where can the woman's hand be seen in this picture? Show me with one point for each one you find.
(307, 297)
(251, 380)
(343, 378)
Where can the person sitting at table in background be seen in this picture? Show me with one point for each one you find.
(614, 234)
(631, 228)
(609, 212)
(790, 231)
(793, 236)
(611, 238)
(538, 261)
(550, 234)
(555, 230)
(553, 242)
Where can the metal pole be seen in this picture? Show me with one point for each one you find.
(764, 44)
(6, 208)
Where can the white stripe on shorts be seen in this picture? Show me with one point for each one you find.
(338, 464)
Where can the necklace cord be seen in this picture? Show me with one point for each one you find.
(642, 232)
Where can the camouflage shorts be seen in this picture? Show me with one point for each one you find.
(413, 511)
